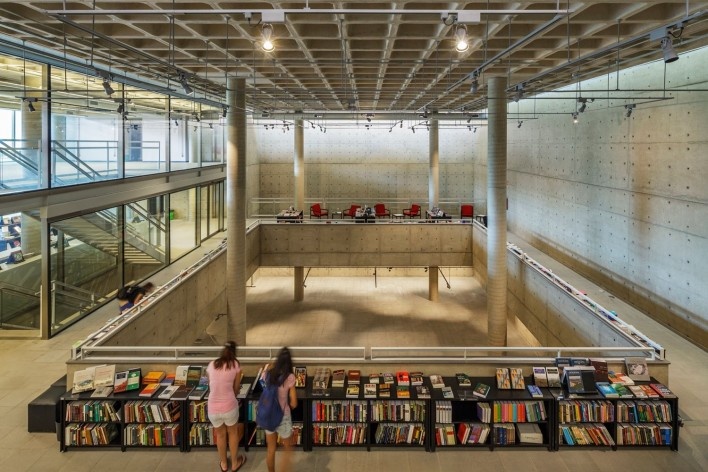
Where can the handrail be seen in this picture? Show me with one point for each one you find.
(13, 153)
(76, 163)
(353, 354)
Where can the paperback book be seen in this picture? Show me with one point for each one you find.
(619, 377)
(402, 378)
(662, 390)
(637, 369)
(375, 378)
(637, 391)
(606, 389)
(104, 375)
(447, 392)
(539, 377)
(416, 378)
(370, 390)
(300, 376)
(436, 380)
(503, 379)
(463, 380)
(83, 380)
(102, 392)
(194, 375)
(353, 391)
(402, 391)
(535, 391)
(354, 377)
(133, 380)
(198, 392)
(150, 390)
(120, 382)
(517, 378)
(553, 377)
(338, 378)
(481, 390)
(422, 392)
(181, 375)
(154, 376)
(384, 391)
(167, 393)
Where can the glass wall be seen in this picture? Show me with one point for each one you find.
(145, 238)
(183, 223)
(147, 133)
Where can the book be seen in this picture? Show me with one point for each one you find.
(353, 377)
(422, 392)
(447, 392)
(102, 392)
(481, 390)
(574, 361)
(104, 376)
(150, 390)
(402, 378)
(650, 392)
(402, 391)
(338, 378)
(300, 376)
(574, 380)
(385, 391)
(601, 370)
(374, 378)
(167, 393)
(622, 390)
(535, 391)
(320, 381)
(562, 363)
(120, 382)
(353, 391)
(416, 378)
(517, 378)
(198, 392)
(133, 379)
(388, 378)
(503, 380)
(529, 433)
(194, 375)
(463, 380)
(83, 380)
(637, 369)
(436, 380)
(619, 377)
(606, 389)
(168, 380)
(154, 376)
(539, 377)
(182, 393)
(638, 391)
(244, 388)
(181, 375)
(370, 390)
(553, 377)
(662, 390)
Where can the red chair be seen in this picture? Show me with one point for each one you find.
(316, 211)
(412, 212)
(351, 212)
(466, 211)
(381, 211)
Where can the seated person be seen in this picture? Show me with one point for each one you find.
(130, 295)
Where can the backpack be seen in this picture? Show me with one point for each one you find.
(269, 413)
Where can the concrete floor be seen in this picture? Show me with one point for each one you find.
(351, 311)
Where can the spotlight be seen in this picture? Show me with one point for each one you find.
(196, 117)
(401, 125)
(413, 128)
(267, 33)
(223, 112)
(583, 104)
(312, 124)
(185, 85)
(630, 109)
(107, 87)
(461, 38)
(265, 126)
(474, 130)
(176, 124)
(520, 123)
(575, 117)
(121, 108)
(469, 128)
(469, 119)
(667, 47)
(211, 126)
(30, 107)
(390, 130)
(475, 85)
(519, 92)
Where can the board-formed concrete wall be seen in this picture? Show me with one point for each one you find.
(363, 165)
(621, 200)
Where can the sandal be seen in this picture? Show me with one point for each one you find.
(241, 460)
(222, 469)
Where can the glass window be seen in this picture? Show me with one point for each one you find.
(147, 131)
(21, 264)
(184, 136)
(183, 223)
(145, 238)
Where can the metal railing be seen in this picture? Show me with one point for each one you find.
(85, 299)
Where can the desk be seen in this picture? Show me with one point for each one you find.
(291, 216)
(436, 216)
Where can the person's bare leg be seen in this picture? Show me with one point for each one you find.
(233, 437)
(272, 443)
(287, 454)
(221, 446)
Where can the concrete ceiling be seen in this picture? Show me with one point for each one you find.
(374, 57)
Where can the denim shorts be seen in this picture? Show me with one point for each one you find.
(285, 428)
(229, 418)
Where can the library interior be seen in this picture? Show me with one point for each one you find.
(481, 230)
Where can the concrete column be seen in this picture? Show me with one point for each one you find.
(299, 166)
(298, 279)
(236, 211)
(299, 200)
(434, 171)
(496, 212)
(433, 283)
(45, 291)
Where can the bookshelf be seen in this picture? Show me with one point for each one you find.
(254, 436)
(586, 422)
(91, 423)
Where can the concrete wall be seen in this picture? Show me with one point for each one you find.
(366, 165)
(621, 200)
(366, 245)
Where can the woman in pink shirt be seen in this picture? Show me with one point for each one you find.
(282, 375)
(224, 383)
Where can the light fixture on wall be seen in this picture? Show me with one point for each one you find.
(461, 44)
(519, 124)
(30, 101)
(575, 117)
(185, 84)
(267, 34)
(583, 104)
(667, 47)
(629, 109)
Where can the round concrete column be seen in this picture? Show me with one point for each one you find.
(433, 283)
(496, 212)
(236, 211)
(299, 174)
(434, 170)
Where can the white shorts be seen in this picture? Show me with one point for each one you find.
(285, 428)
(229, 418)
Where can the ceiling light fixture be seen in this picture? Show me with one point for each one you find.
(583, 104)
(413, 128)
(474, 130)
(223, 112)
(461, 44)
(475, 84)
(267, 33)
(107, 87)
(30, 101)
(519, 92)
(520, 123)
(185, 85)
(667, 47)
(630, 109)
(121, 108)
